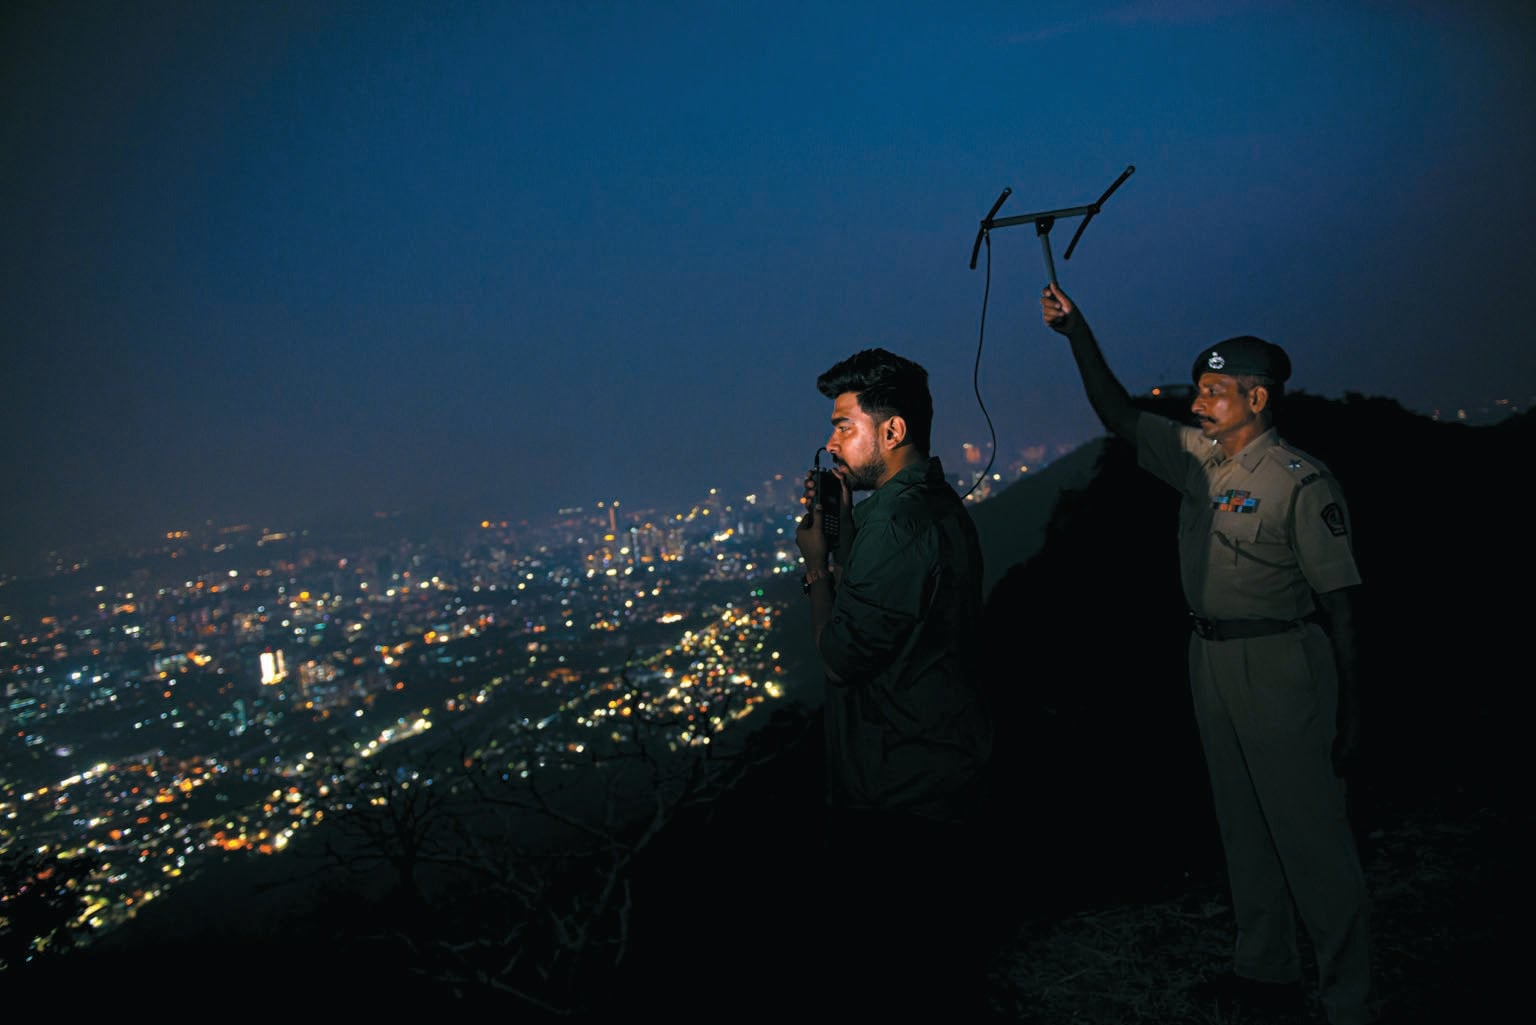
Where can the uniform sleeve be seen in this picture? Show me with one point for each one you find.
(876, 611)
(1324, 545)
(1164, 448)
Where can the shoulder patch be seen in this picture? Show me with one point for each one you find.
(1333, 518)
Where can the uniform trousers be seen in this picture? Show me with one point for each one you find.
(1266, 709)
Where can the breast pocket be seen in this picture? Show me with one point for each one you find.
(1233, 534)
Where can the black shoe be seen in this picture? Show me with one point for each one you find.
(1232, 992)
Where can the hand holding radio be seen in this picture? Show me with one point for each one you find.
(827, 496)
(820, 533)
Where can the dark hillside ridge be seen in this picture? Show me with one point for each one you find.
(1102, 796)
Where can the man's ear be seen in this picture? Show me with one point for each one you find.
(893, 432)
(1258, 398)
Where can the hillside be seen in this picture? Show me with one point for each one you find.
(1105, 855)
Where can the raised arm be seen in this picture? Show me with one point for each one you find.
(1108, 397)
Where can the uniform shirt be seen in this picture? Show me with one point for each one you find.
(907, 728)
(1259, 532)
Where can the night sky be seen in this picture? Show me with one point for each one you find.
(268, 261)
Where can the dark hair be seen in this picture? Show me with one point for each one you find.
(887, 385)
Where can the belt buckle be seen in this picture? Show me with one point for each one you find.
(1204, 627)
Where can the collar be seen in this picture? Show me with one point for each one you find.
(906, 477)
(1251, 454)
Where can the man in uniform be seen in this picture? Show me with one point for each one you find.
(908, 735)
(1267, 569)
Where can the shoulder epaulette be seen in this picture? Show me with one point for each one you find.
(1300, 466)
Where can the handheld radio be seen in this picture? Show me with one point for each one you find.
(827, 492)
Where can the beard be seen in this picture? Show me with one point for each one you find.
(867, 476)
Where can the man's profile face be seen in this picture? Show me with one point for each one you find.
(1221, 406)
(855, 444)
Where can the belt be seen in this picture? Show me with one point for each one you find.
(1239, 629)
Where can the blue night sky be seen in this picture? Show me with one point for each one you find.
(264, 261)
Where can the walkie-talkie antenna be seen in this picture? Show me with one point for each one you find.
(1044, 221)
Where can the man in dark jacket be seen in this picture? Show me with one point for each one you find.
(908, 733)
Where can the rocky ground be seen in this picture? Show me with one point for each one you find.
(1445, 888)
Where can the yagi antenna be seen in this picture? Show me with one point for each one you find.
(1044, 222)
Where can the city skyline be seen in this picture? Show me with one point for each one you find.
(176, 709)
(965, 465)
